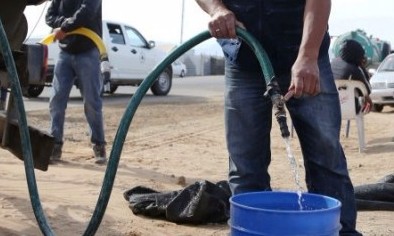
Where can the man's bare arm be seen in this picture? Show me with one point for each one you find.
(316, 17)
(305, 71)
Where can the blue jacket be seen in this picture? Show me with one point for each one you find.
(72, 14)
(277, 24)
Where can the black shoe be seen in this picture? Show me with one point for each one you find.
(56, 152)
(100, 154)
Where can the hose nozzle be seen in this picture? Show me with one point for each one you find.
(280, 114)
(278, 103)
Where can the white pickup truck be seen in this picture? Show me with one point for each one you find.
(132, 58)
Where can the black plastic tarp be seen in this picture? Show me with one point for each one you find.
(199, 203)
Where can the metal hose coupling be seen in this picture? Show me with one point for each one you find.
(278, 103)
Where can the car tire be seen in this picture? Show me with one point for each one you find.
(182, 74)
(33, 91)
(377, 107)
(162, 85)
(113, 88)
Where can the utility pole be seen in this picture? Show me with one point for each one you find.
(182, 19)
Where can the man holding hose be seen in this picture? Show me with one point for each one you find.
(294, 35)
(78, 59)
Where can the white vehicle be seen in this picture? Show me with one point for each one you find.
(382, 83)
(179, 68)
(132, 58)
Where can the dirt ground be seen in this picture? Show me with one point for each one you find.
(167, 142)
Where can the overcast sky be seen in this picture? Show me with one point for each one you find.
(161, 20)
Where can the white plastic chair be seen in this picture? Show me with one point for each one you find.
(346, 90)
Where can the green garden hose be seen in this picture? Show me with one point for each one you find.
(123, 128)
(85, 32)
(24, 133)
(135, 101)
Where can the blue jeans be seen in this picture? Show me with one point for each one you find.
(86, 68)
(317, 121)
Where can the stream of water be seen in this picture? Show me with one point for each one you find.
(294, 168)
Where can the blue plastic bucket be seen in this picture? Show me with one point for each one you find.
(280, 214)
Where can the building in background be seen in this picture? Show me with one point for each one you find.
(199, 61)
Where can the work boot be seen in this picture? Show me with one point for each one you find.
(56, 152)
(100, 154)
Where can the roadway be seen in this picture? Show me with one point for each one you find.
(199, 87)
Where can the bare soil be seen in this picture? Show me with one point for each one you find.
(169, 145)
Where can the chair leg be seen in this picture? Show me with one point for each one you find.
(347, 128)
(360, 131)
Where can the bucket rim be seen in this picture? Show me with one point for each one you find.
(337, 206)
(257, 233)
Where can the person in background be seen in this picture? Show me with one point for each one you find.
(78, 59)
(350, 65)
(295, 37)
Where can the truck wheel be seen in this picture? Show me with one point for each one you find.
(113, 88)
(377, 107)
(182, 74)
(33, 91)
(163, 84)
(109, 88)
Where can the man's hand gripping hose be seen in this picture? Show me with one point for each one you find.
(105, 66)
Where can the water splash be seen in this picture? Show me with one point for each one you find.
(294, 167)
